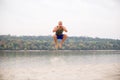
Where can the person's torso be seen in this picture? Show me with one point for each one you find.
(59, 31)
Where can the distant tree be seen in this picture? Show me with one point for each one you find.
(8, 42)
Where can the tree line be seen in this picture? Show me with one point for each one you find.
(8, 42)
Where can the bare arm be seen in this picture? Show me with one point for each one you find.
(55, 29)
(65, 29)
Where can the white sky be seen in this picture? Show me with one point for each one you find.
(92, 18)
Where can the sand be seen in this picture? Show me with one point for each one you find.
(65, 72)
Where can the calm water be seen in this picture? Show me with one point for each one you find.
(60, 65)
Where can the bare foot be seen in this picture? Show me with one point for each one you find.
(60, 45)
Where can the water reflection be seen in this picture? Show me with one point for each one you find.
(60, 65)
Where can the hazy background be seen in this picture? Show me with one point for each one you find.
(93, 18)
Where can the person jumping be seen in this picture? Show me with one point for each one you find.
(59, 34)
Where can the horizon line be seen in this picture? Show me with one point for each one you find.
(51, 35)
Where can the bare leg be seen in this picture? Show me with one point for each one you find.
(62, 41)
(55, 40)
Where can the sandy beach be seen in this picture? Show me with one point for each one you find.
(65, 72)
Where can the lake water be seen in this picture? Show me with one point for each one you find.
(60, 65)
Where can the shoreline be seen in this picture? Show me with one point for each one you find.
(53, 50)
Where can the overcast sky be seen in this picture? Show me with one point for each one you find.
(92, 18)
